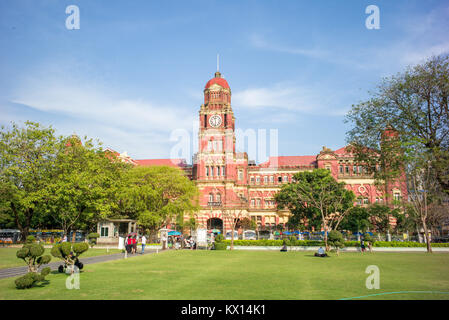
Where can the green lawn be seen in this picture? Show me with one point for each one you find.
(8, 257)
(248, 275)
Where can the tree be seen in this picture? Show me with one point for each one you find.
(192, 224)
(317, 194)
(336, 240)
(247, 224)
(380, 216)
(233, 214)
(69, 253)
(31, 278)
(295, 222)
(156, 196)
(93, 236)
(32, 255)
(415, 104)
(83, 185)
(27, 159)
(357, 219)
(369, 240)
(425, 196)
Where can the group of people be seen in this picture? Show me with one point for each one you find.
(178, 242)
(131, 243)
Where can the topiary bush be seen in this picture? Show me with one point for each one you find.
(69, 254)
(219, 238)
(335, 239)
(32, 254)
(319, 243)
(30, 239)
(369, 240)
(221, 246)
(31, 278)
(93, 238)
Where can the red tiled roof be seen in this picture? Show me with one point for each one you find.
(162, 162)
(220, 81)
(342, 151)
(290, 161)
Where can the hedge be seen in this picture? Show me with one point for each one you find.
(307, 243)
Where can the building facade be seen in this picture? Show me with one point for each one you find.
(232, 187)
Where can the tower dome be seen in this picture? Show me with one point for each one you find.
(217, 80)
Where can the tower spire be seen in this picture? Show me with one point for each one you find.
(217, 73)
(218, 62)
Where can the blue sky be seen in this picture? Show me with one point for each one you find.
(135, 70)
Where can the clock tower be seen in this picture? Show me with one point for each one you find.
(220, 172)
(216, 133)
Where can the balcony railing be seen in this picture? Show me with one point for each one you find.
(214, 204)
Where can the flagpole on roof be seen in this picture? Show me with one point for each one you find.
(218, 62)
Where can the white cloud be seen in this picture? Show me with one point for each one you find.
(259, 41)
(419, 56)
(95, 103)
(90, 108)
(291, 98)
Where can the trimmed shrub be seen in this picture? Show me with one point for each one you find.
(219, 238)
(93, 238)
(335, 239)
(318, 243)
(30, 239)
(31, 278)
(31, 254)
(221, 246)
(69, 253)
(80, 248)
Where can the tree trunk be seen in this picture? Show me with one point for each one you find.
(232, 239)
(426, 236)
(325, 238)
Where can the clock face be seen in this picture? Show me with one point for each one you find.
(215, 121)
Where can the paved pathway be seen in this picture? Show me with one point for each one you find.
(18, 271)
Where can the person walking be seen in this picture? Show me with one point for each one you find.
(130, 244)
(164, 241)
(144, 242)
(134, 244)
(362, 244)
(126, 243)
(212, 241)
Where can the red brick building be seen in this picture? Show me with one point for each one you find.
(229, 184)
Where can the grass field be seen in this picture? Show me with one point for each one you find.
(8, 257)
(248, 275)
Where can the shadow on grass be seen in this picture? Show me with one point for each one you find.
(312, 256)
(57, 272)
(42, 284)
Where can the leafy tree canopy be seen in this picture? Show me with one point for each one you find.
(156, 195)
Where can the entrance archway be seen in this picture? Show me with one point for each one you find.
(215, 223)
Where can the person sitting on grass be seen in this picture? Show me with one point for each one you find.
(284, 246)
(320, 253)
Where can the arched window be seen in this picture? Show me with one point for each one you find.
(211, 197)
(218, 197)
